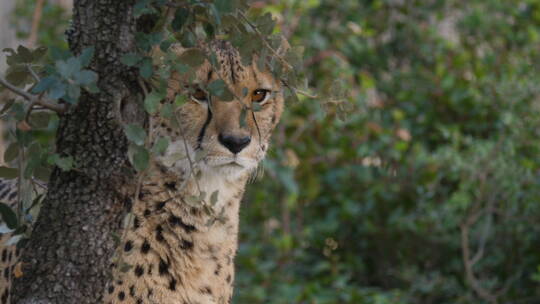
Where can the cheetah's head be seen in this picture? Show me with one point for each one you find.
(222, 137)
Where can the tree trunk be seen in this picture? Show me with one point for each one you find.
(68, 257)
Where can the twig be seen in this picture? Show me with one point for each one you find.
(298, 91)
(323, 55)
(305, 93)
(471, 278)
(487, 227)
(35, 100)
(33, 73)
(468, 261)
(36, 19)
(16, 90)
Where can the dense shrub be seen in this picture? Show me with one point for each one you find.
(423, 187)
(442, 130)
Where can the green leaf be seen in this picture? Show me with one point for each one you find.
(59, 54)
(256, 107)
(141, 7)
(45, 84)
(214, 198)
(10, 56)
(180, 18)
(151, 102)
(192, 57)
(40, 119)
(23, 138)
(243, 114)
(227, 95)
(180, 99)
(182, 68)
(209, 30)
(38, 53)
(8, 173)
(8, 216)
(135, 134)
(146, 41)
(160, 146)
(24, 55)
(74, 91)
(92, 88)
(188, 39)
(266, 24)
(43, 173)
(11, 152)
(192, 200)
(125, 267)
(217, 16)
(86, 56)
(131, 59)
(32, 164)
(164, 46)
(145, 68)
(167, 110)
(139, 157)
(224, 6)
(200, 154)
(85, 77)
(64, 163)
(58, 90)
(67, 68)
(217, 87)
(18, 75)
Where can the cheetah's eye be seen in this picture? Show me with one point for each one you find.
(199, 95)
(260, 96)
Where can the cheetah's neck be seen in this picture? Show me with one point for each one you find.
(178, 251)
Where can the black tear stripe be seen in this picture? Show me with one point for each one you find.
(203, 130)
(231, 63)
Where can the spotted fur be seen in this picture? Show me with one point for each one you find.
(178, 250)
(8, 253)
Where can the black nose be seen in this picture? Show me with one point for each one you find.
(235, 144)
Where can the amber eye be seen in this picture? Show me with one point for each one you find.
(199, 95)
(260, 95)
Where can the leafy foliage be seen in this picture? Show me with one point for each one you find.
(435, 138)
(442, 123)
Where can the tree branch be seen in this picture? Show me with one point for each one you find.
(32, 39)
(15, 90)
(35, 100)
(33, 73)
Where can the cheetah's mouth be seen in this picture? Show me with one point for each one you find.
(230, 162)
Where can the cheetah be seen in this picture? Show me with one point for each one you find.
(179, 249)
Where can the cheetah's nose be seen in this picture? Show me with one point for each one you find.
(235, 144)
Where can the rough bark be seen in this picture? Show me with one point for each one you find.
(67, 259)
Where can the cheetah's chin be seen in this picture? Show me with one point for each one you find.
(229, 166)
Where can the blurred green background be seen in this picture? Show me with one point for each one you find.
(421, 183)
